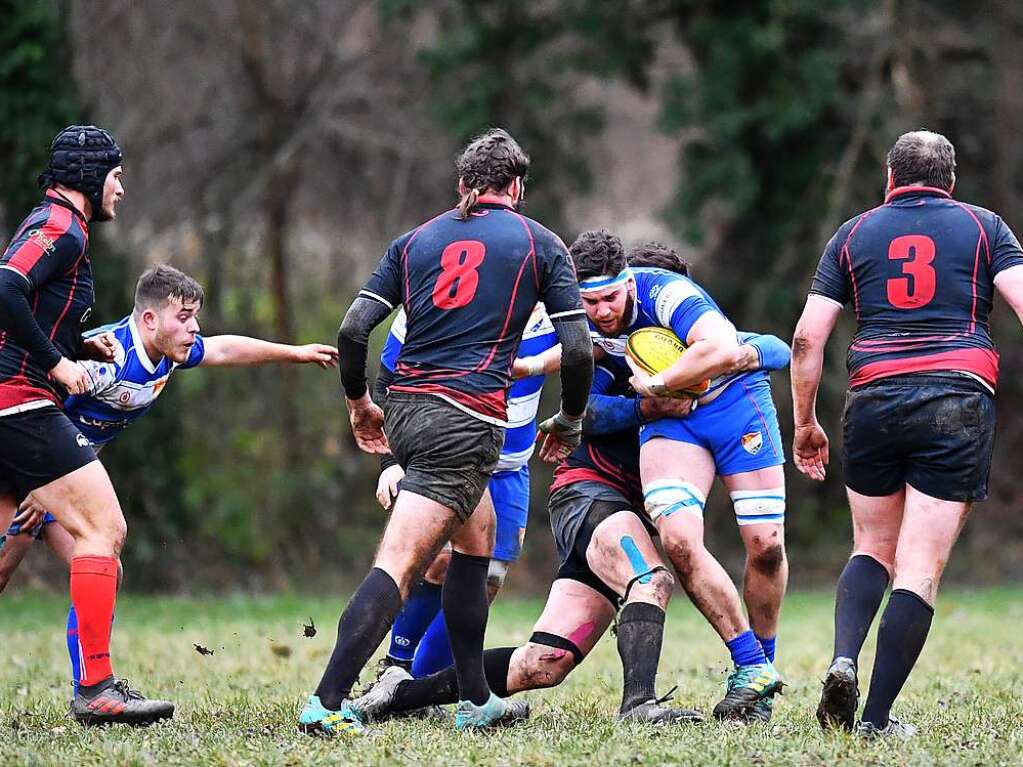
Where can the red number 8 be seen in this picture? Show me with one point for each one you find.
(919, 251)
(458, 280)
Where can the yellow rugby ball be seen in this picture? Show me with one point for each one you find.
(654, 350)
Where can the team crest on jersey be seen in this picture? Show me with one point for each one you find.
(82, 440)
(752, 442)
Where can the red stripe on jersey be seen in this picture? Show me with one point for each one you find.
(42, 241)
(980, 362)
(404, 251)
(67, 305)
(981, 239)
(532, 248)
(566, 475)
(604, 465)
(848, 260)
(492, 405)
(19, 390)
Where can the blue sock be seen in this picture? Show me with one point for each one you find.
(768, 645)
(746, 650)
(422, 607)
(434, 653)
(72, 647)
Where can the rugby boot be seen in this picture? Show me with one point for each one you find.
(652, 712)
(315, 719)
(496, 712)
(114, 702)
(840, 696)
(894, 729)
(762, 710)
(375, 703)
(746, 686)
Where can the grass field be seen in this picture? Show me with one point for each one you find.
(238, 706)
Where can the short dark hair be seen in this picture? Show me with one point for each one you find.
(490, 161)
(597, 252)
(658, 256)
(162, 283)
(923, 157)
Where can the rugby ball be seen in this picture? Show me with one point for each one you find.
(654, 350)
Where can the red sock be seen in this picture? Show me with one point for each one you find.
(93, 592)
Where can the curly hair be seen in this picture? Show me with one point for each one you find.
(658, 256)
(490, 161)
(597, 252)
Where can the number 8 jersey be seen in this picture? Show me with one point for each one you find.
(919, 272)
(468, 289)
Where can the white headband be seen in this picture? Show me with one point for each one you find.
(591, 284)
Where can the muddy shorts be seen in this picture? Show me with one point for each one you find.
(448, 455)
(935, 432)
(575, 511)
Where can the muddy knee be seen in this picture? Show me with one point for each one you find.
(768, 560)
(548, 660)
(684, 554)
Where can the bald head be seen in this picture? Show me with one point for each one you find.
(923, 158)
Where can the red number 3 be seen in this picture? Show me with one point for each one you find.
(904, 293)
(458, 279)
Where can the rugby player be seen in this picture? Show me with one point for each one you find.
(46, 296)
(159, 337)
(920, 271)
(608, 565)
(733, 433)
(468, 280)
(419, 640)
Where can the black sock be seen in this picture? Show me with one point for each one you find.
(362, 627)
(861, 588)
(465, 612)
(640, 630)
(442, 688)
(900, 638)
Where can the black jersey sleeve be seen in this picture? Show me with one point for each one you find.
(830, 280)
(559, 288)
(16, 318)
(353, 342)
(1005, 249)
(385, 284)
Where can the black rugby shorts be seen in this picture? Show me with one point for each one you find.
(447, 454)
(935, 432)
(38, 447)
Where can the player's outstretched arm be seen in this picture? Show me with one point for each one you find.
(224, 351)
(810, 446)
(545, 362)
(712, 350)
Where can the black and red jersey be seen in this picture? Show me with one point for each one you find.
(611, 459)
(49, 254)
(919, 271)
(468, 288)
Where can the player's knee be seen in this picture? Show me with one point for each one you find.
(768, 560)
(545, 666)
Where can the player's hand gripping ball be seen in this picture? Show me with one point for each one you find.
(654, 350)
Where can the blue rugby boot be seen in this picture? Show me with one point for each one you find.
(317, 720)
(496, 712)
(747, 686)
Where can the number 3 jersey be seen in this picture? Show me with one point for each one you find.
(919, 271)
(523, 396)
(123, 390)
(468, 289)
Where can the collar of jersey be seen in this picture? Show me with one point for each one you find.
(56, 198)
(930, 191)
(494, 206)
(140, 348)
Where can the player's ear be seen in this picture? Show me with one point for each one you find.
(149, 319)
(952, 186)
(890, 184)
(463, 190)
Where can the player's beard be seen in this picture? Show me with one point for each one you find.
(623, 321)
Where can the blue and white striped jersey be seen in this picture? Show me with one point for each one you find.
(523, 396)
(123, 390)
